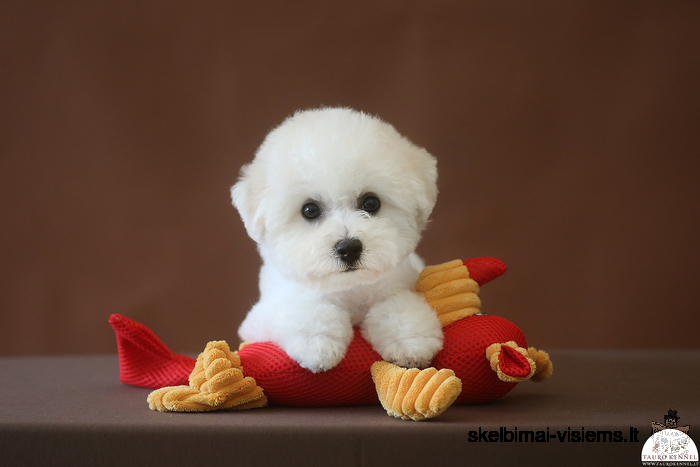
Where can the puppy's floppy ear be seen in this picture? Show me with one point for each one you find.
(247, 196)
(426, 184)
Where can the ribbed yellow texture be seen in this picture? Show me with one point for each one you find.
(413, 394)
(449, 291)
(216, 382)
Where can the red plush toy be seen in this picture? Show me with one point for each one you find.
(483, 357)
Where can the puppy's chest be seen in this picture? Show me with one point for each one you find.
(357, 302)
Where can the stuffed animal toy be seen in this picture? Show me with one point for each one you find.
(482, 359)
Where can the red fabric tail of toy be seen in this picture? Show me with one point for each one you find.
(144, 360)
(485, 269)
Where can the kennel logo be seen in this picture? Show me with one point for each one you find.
(669, 444)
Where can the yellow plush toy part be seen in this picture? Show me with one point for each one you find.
(449, 291)
(217, 382)
(412, 393)
(543, 365)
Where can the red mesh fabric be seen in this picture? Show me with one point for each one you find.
(513, 363)
(286, 383)
(485, 269)
(350, 383)
(464, 352)
(144, 360)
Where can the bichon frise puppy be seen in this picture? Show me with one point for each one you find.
(336, 201)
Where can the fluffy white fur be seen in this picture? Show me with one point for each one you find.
(310, 300)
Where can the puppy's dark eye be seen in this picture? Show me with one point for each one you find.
(370, 204)
(310, 211)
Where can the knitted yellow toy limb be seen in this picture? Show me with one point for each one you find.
(449, 291)
(412, 393)
(216, 382)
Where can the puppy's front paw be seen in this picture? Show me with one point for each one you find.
(318, 353)
(411, 352)
(404, 330)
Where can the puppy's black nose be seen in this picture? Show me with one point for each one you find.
(349, 250)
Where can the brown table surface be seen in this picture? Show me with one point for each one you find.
(74, 411)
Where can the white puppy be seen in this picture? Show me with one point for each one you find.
(336, 201)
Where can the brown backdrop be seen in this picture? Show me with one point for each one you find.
(566, 134)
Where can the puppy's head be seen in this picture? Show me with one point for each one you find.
(336, 198)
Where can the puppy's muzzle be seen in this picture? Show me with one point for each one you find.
(349, 251)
